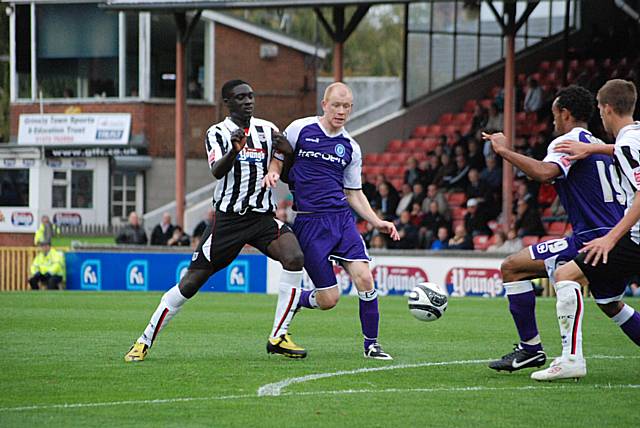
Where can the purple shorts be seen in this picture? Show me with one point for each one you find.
(325, 238)
(554, 253)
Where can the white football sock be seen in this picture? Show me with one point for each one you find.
(517, 287)
(570, 308)
(624, 315)
(170, 304)
(288, 297)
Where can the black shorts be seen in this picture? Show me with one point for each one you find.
(607, 282)
(229, 233)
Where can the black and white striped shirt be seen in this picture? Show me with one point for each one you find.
(627, 159)
(241, 189)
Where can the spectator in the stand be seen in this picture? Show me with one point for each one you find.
(369, 233)
(538, 146)
(380, 178)
(475, 219)
(198, 231)
(46, 231)
(163, 231)
(133, 233)
(386, 202)
(442, 241)
(368, 188)
(479, 120)
(429, 169)
(458, 181)
(475, 156)
(499, 99)
(418, 194)
(408, 233)
(447, 169)
(528, 220)
(179, 238)
(492, 174)
(633, 287)
(431, 222)
(412, 173)
(496, 120)
(416, 215)
(534, 98)
(477, 188)
(406, 196)
(378, 242)
(460, 240)
(48, 267)
(434, 194)
(506, 243)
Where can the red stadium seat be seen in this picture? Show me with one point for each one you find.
(400, 158)
(495, 91)
(374, 170)
(573, 64)
(457, 213)
(481, 242)
(456, 199)
(544, 66)
(557, 228)
(397, 183)
(469, 106)
(446, 119)
(462, 118)
(486, 103)
(529, 240)
(395, 145)
(394, 171)
(521, 117)
(421, 131)
(372, 158)
(435, 130)
(386, 158)
(411, 145)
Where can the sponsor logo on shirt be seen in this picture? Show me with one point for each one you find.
(565, 161)
(312, 140)
(252, 155)
(319, 155)
(636, 175)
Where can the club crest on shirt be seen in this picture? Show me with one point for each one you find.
(251, 155)
(340, 150)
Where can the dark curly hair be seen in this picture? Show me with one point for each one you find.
(578, 100)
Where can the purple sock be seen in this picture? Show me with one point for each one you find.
(523, 311)
(632, 328)
(304, 299)
(369, 319)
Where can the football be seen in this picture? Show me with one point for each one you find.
(427, 302)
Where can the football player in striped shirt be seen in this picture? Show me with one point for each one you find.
(608, 262)
(239, 151)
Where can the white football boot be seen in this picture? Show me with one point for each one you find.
(562, 368)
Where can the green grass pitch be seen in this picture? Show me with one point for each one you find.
(61, 364)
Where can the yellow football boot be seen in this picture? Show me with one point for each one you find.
(285, 346)
(137, 352)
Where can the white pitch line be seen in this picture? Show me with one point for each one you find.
(275, 389)
(336, 392)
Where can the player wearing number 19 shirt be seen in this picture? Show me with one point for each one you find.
(607, 263)
(591, 199)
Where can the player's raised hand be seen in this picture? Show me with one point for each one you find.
(598, 250)
(498, 141)
(575, 149)
(238, 140)
(389, 228)
(270, 179)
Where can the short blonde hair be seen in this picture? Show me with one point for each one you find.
(331, 87)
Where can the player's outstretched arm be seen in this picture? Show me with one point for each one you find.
(535, 169)
(358, 201)
(222, 166)
(598, 249)
(577, 150)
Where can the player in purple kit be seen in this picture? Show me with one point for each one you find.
(608, 262)
(586, 190)
(325, 180)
